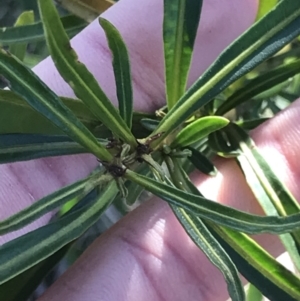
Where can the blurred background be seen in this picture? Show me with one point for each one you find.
(78, 14)
(10, 10)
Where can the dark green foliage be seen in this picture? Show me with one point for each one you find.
(140, 152)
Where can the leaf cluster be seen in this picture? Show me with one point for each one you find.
(138, 152)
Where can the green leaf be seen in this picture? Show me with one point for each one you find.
(261, 41)
(264, 7)
(260, 84)
(202, 163)
(21, 287)
(181, 19)
(24, 252)
(19, 50)
(281, 197)
(20, 147)
(204, 239)
(17, 116)
(218, 213)
(271, 193)
(46, 204)
(77, 75)
(122, 71)
(275, 281)
(265, 202)
(25, 83)
(34, 32)
(198, 130)
(254, 263)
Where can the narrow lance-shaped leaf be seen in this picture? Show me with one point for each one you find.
(25, 83)
(203, 237)
(254, 263)
(21, 287)
(260, 84)
(77, 75)
(24, 252)
(198, 130)
(122, 71)
(261, 41)
(22, 147)
(218, 213)
(287, 240)
(181, 18)
(47, 204)
(257, 266)
(274, 187)
(34, 32)
(27, 17)
(272, 194)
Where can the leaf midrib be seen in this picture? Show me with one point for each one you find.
(265, 271)
(70, 125)
(51, 239)
(127, 134)
(264, 221)
(177, 59)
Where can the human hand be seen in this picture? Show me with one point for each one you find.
(142, 258)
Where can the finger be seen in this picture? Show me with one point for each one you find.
(140, 23)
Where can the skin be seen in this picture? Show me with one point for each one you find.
(147, 255)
